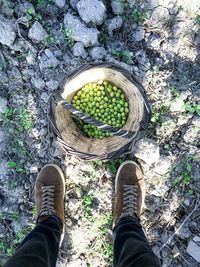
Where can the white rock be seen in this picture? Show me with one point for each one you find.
(79, 50)
(79, 32)
(7, 31)
(52, 84)
(3, 104)
(60, 3)
(37, 33)
(3, 169)
(177, 105)
(38, 83)
(92, 11)
(163, 165)
(138, 34)
(33, 169)
(117, 7)
(97, 53)
(45, 97)
(73, 3)
(113, 24)
(147, 150)
(193, 248)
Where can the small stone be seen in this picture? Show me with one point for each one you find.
(24, 8)
(7, 31)
(31, 56)
(58, 151)
(3, 140)
(91, 11)
(154, 41)
(3, 104)
(117, 7)
(141, 57)
(48, 60)
(79, 50)
(186, 202)
(193, 248)
(74, 204)
(79, 32)
(38, 83)
(73, 4)
(60, 3)
(113, 24)
(163, 165)
(184, 232)
(138, 34)
(37, 33)
(45, 97)
(6, 8)
(147, 150)
(52, 84)
(33, 169)
(97, 53)
(177, 105)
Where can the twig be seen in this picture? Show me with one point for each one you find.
(170, 239)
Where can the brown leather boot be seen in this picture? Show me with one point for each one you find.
(49, 193)
(129, 191)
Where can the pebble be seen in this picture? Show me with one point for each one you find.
(60, 3)
(79, 50)
(177, 105)
(98, 53)
(80, 32)
(7, 31)
(117, 7)
(138, 34)
(38, 83)
(3, 105)
(45, 97)
(147, 150)
(92, 11)
(193, 248)
(113, 24)
(37, 33)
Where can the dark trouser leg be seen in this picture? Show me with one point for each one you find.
(131, 248)
(40, 247)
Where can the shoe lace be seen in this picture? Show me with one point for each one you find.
(47, 207)
(129, 200)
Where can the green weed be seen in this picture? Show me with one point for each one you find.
(192, 108)
(139, 17)
(198, 19)
(108, 251)
(157, 114)
(16, 166)
(18, 116)
(174, 92)
(68, 35)
(34, 212)
(32, 15)
(186, 174)
(87, 203)
(125, 56)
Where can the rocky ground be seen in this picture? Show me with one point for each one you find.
(159, 41)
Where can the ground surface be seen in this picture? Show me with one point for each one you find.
(160, 42)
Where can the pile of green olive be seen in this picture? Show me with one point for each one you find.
(103, 101)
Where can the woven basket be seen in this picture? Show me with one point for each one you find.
(72, 139)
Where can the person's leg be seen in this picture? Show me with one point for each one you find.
(40, 247)
(131, 247)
